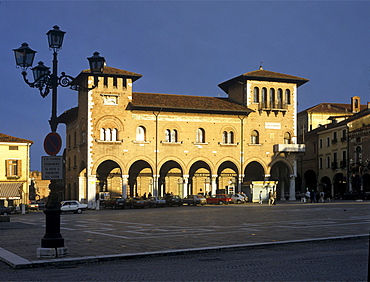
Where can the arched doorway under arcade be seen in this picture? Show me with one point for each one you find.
(254, 171)
(339, 185)
(200, 179)
(141, 180)
(109, 180)
(171, 179)
(310, 180)
(227, 180)
(280, 172)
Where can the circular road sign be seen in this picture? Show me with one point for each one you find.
(52, 143)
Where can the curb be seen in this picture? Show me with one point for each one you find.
(18, 262)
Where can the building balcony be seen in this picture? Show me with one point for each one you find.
(290, 148)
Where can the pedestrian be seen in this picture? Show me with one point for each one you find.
(307, 195)
(274, 195)
(313, 196)
(260, 197)
(322, 194)
(149, 195)
(271, 198)
(303, 198)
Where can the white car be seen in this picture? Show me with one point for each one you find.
(72, 206)
(238, 198)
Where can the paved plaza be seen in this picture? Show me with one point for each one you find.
(113, 234)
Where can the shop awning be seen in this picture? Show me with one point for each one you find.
(11, 190)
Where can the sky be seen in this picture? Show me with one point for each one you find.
(183, 47)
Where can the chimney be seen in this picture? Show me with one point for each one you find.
(355, 104)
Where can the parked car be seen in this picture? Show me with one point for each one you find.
(155, 202)
(237, 198)
(173, 200)
(356, 195)
(5, 210)
(194, 200)
(72, 206)
(137, 202)
(114, 203)
(219, 199)
(33, 206)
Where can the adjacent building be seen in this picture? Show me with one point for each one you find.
(126, 143)
(14, 170)
(335, 137)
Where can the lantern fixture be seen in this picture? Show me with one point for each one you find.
(24, 56)
(55, 38)
(40, 71)
(97, 63)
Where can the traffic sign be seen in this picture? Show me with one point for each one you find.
(52, 167)
(52, 143)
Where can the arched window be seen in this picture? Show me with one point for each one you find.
(272, 98)
(140, 133)
(224, 137)
(280, 98)
(287, 96)
(264, 97)
(174, 136)
(167, 135)
(287, 138)
(200, 138)
(102, 134)
(171, 136)
(254, 137)
(358, 154)
(114, 134)
(231, 137)
(108, 134)
(256, 95)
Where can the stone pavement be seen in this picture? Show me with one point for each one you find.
(112, 234)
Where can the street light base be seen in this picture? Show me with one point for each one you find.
(52, 252)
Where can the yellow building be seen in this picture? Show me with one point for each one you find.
(324, 113)
(14, 170)
(39, 188)
(121, 142)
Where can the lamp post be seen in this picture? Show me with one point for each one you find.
(52, 244)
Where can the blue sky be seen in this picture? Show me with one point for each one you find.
(184, 47)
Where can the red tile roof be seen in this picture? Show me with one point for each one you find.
(109, 71)
(335, 108)
(263, 75)
(183, 103)
(11, 139)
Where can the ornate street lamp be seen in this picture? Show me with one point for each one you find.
(52, 244)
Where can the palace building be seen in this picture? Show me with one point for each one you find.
(125, 143)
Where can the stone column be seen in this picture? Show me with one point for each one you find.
(292, 188)
(124, 186)
(214, 184)
(155, 185)
(185, 188)
(81, 189)
(91, 191)
(240, 182)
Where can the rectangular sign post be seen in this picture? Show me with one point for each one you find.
(52, 167)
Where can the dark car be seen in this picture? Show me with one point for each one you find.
(114, 203)
(194, 200)
(155, 202)
(219, 199)
(5, 210)
(137, 202)
(173, 200)
(351, 195)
